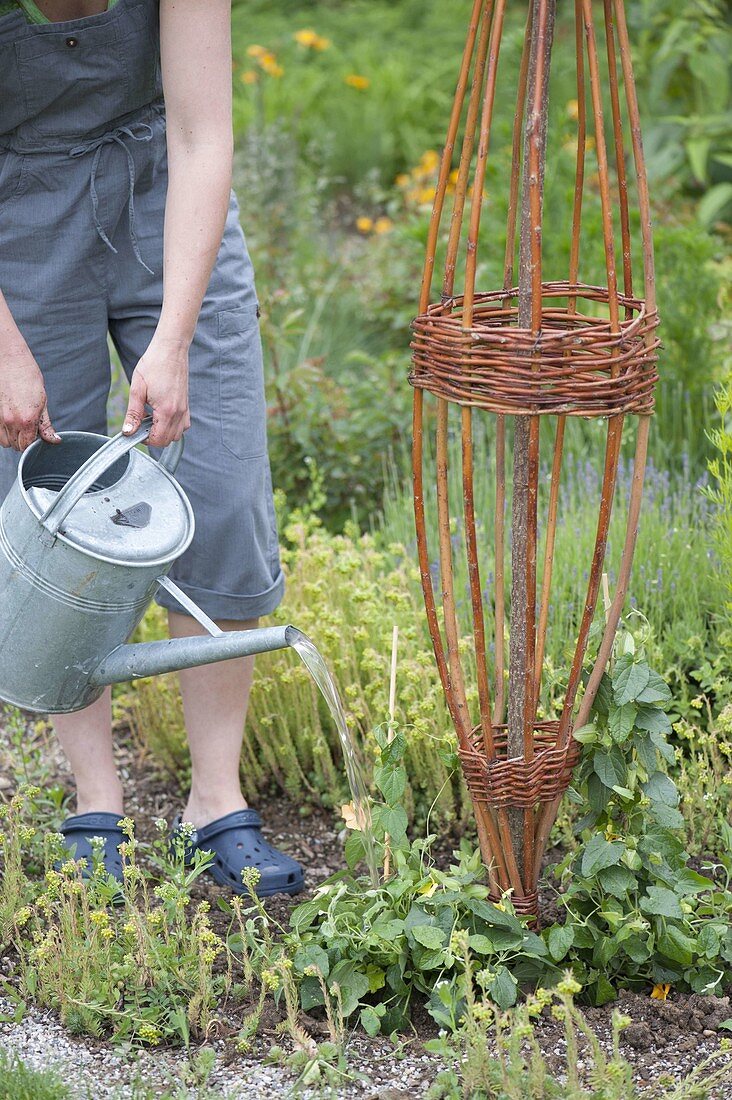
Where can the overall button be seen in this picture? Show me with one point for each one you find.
(72, 42)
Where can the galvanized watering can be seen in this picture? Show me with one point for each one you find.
(87, 535)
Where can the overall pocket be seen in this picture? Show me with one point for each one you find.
(243, 409)
(73, 80)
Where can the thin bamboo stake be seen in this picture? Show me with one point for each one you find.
(390, 735)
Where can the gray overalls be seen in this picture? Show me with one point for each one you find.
(83, 178)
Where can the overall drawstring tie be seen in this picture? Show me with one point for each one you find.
(137, 131)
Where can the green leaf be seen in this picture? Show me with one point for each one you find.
(489, 913)
(560, 939)
(598, 795)
(311, 994)
(429, 936)
(603, 699)
(617, 881)
(393, 819)
(392, 783)
(689, 881)
(376, 977)
(647, 752)
(621, 721)
(600, 853)
(660, 788)
(655, 691)
(667, 816)
(602, 992)
(503, 988)
(629, 680)
(610, 767)
(586, 735)
(393, 751)
(677, 946)
(653, 720)
(305, 914)
(709, 940)
(666, 750)
(371, 1020)
(661, 902)
(388, 929)
(481, 944)
(311, 955)
(351, 982)
(354, 849)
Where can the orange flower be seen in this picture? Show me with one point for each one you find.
(257, 51)
(353, 80)
(249, 76)
(382, 225)
(660, 992)
(364, 224)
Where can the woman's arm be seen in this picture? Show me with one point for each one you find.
(23, 408)
(195, 48)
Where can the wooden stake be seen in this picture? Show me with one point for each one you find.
(521, 692)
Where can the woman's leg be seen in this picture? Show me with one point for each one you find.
(86, 738)
(215, 699)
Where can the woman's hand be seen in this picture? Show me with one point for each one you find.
(160, 380)
(23, 407)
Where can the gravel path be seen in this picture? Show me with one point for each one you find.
(99, 1071)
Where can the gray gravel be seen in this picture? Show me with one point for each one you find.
(99, 1071)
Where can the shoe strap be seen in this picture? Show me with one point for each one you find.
(239, 819)
(84, 823)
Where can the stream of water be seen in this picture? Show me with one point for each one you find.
(316, 666)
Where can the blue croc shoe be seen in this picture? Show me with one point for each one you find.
(237, 842)
(78, 833)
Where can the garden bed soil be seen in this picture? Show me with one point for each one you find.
(665, 1037)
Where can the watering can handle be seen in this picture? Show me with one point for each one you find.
(95, 466)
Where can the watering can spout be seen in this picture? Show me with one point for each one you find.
(132, 662)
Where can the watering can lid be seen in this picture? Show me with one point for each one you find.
(134, 513)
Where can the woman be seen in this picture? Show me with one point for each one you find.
(117, 219)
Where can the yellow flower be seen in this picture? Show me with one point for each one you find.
(257, 51)
(425, 195)
(453, 177)
(249, 76)
(382, 225)
(321, 44)
(268, 62)
(305, 37)
(355, 81)
(364, 225)
(572, 108)
(429, 160)
(661, 991)
(403, 179)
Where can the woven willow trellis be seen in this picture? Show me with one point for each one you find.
(527, 357)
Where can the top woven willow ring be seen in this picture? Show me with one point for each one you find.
(576, 365)
(495, 370)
